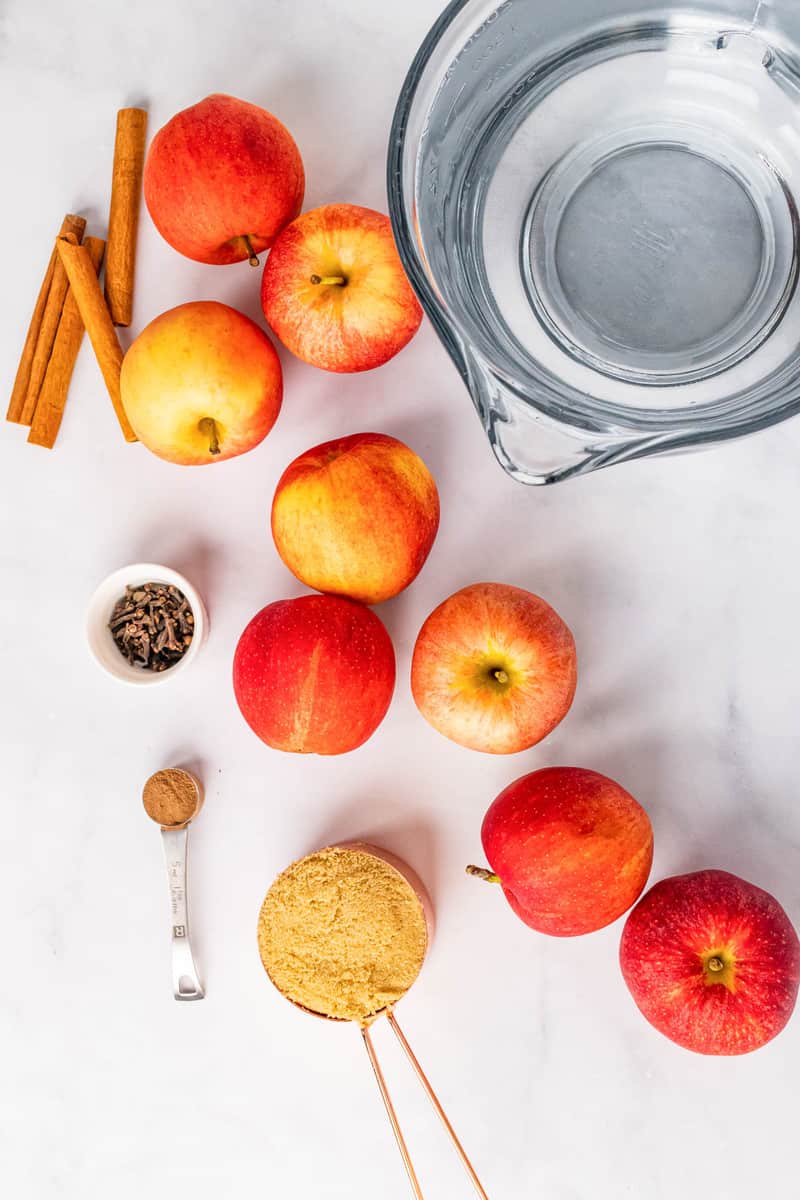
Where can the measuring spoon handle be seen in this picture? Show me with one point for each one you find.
(185, 982)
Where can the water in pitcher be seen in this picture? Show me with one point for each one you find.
(598, 204)
(658, 247)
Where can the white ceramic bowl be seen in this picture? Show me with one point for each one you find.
(101, 643)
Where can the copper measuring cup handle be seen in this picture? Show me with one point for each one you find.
(186, 984)
(429, 1092)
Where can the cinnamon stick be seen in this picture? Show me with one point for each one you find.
(53, 396)
(41, 332)
(123, 220)
(99, 326)
(47, 334)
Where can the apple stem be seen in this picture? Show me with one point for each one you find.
(208, 426)
(483, 873)
(337, 280)
(500, 675)
(243, 243)
(715, 964)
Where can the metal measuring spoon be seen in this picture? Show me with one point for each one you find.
(172, 798)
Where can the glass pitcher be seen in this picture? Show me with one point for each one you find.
(597, 203)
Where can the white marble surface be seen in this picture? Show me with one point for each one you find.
(680, 578)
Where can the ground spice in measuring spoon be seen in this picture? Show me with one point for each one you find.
(342, 933)
(171, 797)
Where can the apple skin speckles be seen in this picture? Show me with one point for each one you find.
(712, 962)
(314, 675)
(570, 847)
(221, 171)
(494, 668)
(359, 321)
(356, 516)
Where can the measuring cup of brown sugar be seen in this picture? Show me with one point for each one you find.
(172, 798)
(343, 935)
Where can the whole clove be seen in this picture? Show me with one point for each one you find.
(152, 625)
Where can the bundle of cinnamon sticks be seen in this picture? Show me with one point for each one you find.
(70, 299)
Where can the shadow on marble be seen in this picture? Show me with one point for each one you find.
(751, 845)
(411, 836)
(197, 559)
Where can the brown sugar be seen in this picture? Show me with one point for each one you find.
(171, 796)
(342, 933)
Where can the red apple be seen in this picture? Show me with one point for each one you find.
(571, 848)
(494, 668)
(335, 292)
(314, 675)
(713, 962)
(356, 516)
(201, 383)
(221, 180)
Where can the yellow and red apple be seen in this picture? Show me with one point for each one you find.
(222, 179)
(356, 516)
(494, 668)
(335, 292)
(570, 847)
(713, 962)
(201, 383)
(314, 675)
